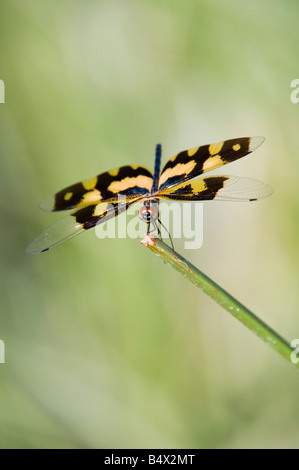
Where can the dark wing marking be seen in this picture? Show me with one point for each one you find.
(127, 180)
(225, 188)
(78, 221)
(191, 163)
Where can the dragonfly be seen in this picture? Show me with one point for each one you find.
(98, 199)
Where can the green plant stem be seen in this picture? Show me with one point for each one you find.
(222, 297)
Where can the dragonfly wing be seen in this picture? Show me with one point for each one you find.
(126, 181)
(77, 222)
(191, 163)
(224, 188)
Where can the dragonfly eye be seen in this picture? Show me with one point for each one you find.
(148, 213)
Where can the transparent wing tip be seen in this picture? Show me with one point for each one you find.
(47, 204)
(255, 142)
(57, 233)
(244, 189)
(36, 247)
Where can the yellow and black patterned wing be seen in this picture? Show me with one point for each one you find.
(191, 163)
(225, 188)
(127, 180)
(79, 221)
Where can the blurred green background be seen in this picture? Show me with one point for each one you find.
(105, 345)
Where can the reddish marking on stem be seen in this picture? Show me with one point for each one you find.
(149, 240)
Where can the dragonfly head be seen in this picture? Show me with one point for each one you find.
(148, 212)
